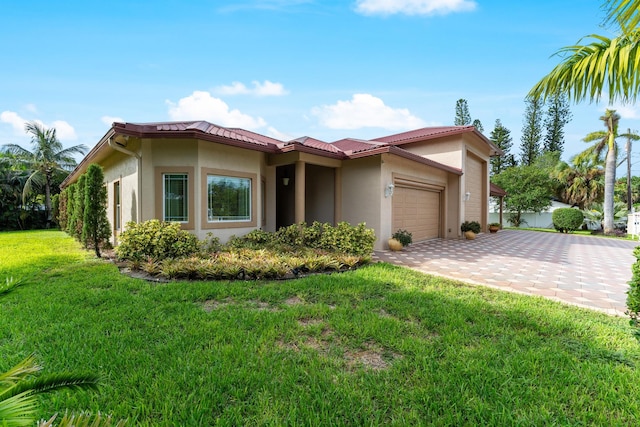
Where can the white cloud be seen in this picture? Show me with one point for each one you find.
(275, 133)
(109, 120)
(626, 111)
(200, 105)
(266, 88)
(64, 131)
(365, 110)
(414, 7)
(14, 120)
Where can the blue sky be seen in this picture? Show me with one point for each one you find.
(286, 68)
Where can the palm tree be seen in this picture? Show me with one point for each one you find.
(581, 179)
(605, 64)
(47, 160)
(605, 144)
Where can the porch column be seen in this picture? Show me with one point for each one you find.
(300, 182)
(337, 196)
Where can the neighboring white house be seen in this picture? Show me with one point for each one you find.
(530, 219)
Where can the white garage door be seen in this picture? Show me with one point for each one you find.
(417, 211)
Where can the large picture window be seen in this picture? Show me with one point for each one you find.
(228, 198)
(175, 190)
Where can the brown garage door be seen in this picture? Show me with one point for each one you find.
(417, 211)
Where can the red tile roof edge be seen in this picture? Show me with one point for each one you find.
(496, 191)
(427, 133)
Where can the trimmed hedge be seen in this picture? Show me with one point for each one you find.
(566, 220)
(155, 239)
(633, 294)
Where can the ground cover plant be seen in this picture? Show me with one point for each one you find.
(163, 249)
(380, 345)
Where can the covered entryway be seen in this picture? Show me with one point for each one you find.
(417, 209)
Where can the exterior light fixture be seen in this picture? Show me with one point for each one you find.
(388, 191)
(467, 196)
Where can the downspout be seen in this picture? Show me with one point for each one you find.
(113, 144)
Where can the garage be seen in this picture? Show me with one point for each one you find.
(416, 208)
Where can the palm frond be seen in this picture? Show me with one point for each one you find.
(83, 420)
(52, 382)
(588, 70)
(19, 410)
(19, 372)
(9, 285)
(626, 13)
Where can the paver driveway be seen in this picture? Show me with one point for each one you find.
(587, 271)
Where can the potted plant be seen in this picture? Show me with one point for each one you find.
(400, 239)
(470, 229)
(494, 227)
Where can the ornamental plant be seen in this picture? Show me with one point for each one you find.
(470, 226)
(155, 239)
(566, 220)
(633, 295)
(403, 236)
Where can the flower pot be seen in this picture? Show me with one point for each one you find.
(493, 229)
(395, 245)
(469, 235)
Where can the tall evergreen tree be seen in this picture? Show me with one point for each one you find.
(501, 136)
(463, 118)
(531, 131)
(95, 227)
(558, 115)
(478, 125)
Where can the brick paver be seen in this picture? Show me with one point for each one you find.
(590, 272)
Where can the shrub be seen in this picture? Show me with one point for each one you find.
(566, 220)
(155, 239)
(470, 226)
(403, 236)
(633, 294)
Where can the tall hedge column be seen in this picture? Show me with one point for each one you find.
(96, 229)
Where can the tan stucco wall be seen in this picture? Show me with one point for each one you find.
(447, 151)
(362, 190)
(123, 168)
(160, 153)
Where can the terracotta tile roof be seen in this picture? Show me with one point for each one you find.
(496, 191)
(316, 143)
(425, 134)
(356, 145)
(178, 129)
(348, 148)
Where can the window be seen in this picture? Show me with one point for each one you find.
(228, 198)
(175, 190)
(117, 219)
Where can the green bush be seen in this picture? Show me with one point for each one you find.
(633, 294)
(566, 220)
(157, 240)
(470, 226)
(344, 237)
(403, 236)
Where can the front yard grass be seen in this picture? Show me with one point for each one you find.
(381, 345)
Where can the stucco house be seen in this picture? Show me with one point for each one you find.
(230, 181)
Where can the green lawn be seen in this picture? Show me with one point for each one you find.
(380, 345)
